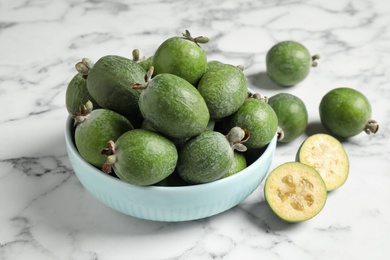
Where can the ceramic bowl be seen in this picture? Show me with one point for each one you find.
(171, 204)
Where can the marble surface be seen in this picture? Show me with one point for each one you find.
(45, 213)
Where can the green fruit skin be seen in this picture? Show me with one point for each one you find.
(205, 158)
(224, 88)
(146, 63)
(181, 57)
(109, 83)
(239, 164)
(292, 115)
(144, 157)
(77, 94)
(288, 63)
(258, 118)
(344, 112)
(174, 107)
(92, 135)
(213, 64)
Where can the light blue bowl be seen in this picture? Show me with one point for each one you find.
(171, 204)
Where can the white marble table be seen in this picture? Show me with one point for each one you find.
(45, 213)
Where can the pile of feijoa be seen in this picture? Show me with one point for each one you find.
(176, 118)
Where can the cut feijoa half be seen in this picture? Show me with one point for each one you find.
(295, 192)
(327, 155)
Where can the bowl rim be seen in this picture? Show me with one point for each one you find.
(268, 151)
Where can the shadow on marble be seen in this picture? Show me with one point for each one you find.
(261, 215)
(261, 80)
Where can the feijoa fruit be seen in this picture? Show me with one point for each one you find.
(182, 56)
(224, 89)
(295, 192)
(292, 116)
(346, 112)
(289, 62)
(326, 154)
(140, 157)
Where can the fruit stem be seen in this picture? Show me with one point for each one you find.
(135, 55)
(258, 96)
(111, 157)
(83, 113)
(371, 127)
(236, 137)
(315, 59)
(84, 66)
(280, 133)
(148, 78)
(197, 40)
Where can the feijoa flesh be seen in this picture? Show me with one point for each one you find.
(346, 112)
(182, 56)
(94, 129)
(224, 89)
(289, 62)
(209, 156)
(109, 82)
(326, 154)
(173, 106)
(141, 157)
(295, 192)
(258, 118)
(292, 116)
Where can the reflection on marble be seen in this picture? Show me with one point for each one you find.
(45, 212)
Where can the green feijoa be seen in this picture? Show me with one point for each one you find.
(258, 118)
(292, 116)
(77, 94)
(239, 164)
(95, 129)
(173, 106)
(141, 157)
(210, 155)
(346, 112)
(109, 82)
(182, 56)
(145, 63)
(289, 62)
(214, 64)
(224, 89)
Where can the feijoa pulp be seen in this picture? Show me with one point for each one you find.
(292, 116)
(289, 62)
(141, 157)
(224, 89)
(326, 154)
(346, 112)
(295, 192)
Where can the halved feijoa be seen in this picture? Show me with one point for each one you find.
(326, 154)
(295, 192)
(346, 112)
(292, 116)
